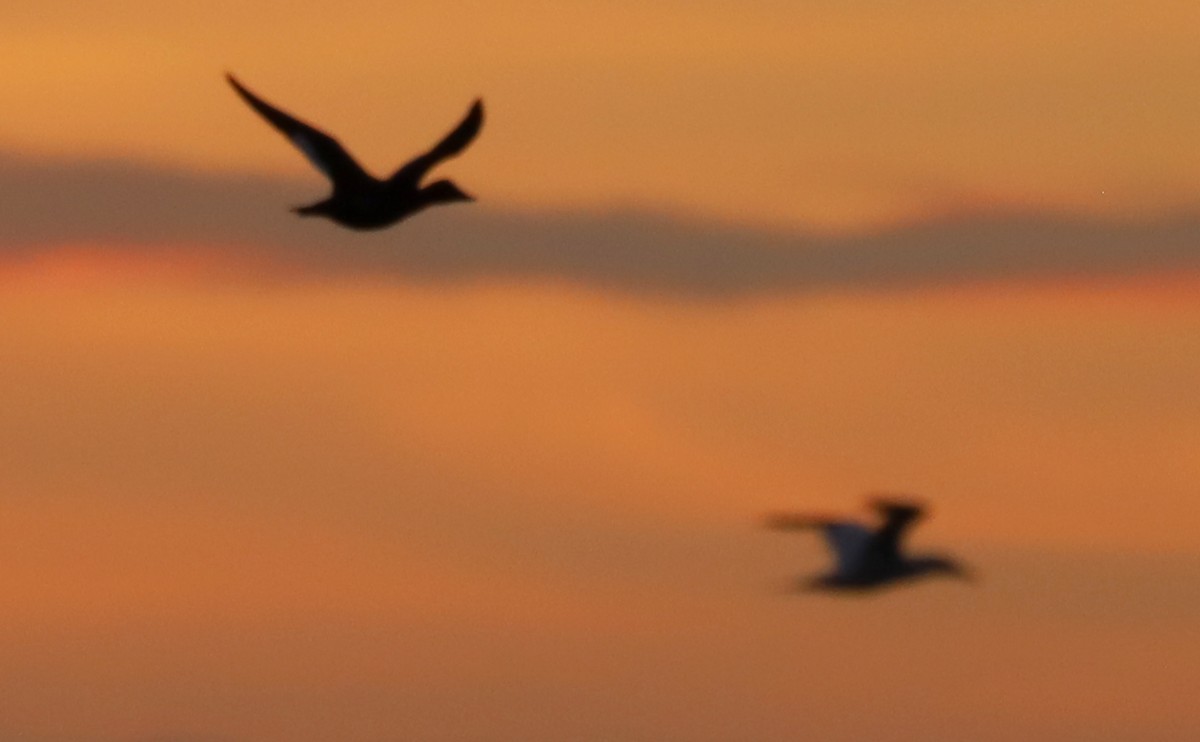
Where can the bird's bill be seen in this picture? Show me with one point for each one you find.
(964, 573)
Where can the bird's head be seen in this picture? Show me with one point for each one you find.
(444, 192)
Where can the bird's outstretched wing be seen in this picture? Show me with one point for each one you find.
(322, 150)
(410, 175)
(847, 540)
(898, 517)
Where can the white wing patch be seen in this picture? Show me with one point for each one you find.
(848, 542)
(304, 145)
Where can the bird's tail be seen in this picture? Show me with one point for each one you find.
(318, 209)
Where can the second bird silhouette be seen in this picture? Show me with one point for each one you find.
(360, 200)
(867, 559)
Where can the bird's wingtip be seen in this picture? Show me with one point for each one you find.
(784, 521)
(891, 501)
(237, 85)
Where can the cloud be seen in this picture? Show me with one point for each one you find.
(45, 203)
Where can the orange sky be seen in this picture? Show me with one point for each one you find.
(497, 473)
(823, 113)
(318, 511)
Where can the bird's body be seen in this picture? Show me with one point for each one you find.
(360, 200)
(865, 558)
(376, 204)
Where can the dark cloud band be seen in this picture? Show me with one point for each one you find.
(46, 203)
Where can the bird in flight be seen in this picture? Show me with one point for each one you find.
(864, 558)
(360, 200)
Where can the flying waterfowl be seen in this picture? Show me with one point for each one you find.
(865, 558)
(359, 200)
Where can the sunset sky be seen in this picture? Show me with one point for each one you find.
(497, 474)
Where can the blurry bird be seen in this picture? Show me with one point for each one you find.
(867, 559)
(359, 200)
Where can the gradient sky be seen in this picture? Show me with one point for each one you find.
(496, 474)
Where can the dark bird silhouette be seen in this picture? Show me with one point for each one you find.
(865, 558)
(360, 200)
